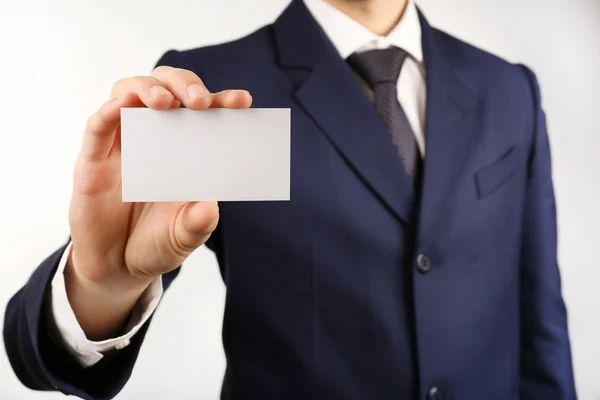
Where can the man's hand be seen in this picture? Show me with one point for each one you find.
(119, 248)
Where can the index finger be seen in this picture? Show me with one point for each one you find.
(100, 130)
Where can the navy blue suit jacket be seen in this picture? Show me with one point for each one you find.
(347, 291)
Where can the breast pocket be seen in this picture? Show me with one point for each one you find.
(491, 178)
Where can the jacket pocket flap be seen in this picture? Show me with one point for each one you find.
(495, 175)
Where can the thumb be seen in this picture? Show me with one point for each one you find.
(195, 223)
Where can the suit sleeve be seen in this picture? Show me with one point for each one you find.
(545, 368)
(38, 359)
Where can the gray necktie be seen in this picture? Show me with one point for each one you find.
(380, 69)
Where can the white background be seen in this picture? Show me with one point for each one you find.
(59, 59)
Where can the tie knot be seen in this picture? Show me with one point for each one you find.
(378, 66)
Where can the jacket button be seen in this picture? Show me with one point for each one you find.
(423, 263)
(435, 394)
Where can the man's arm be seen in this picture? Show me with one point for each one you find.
(546, 368)
(40, 359)
(64, 326)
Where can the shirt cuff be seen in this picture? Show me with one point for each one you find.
(67, 329)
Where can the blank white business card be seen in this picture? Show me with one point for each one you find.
(216, 154)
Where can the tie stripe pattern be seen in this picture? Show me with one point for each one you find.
(380, 69)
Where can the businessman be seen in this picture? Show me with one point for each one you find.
(415, 260)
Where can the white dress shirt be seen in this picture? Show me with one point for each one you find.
(348, 37)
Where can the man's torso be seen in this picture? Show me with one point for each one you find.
(346, 291)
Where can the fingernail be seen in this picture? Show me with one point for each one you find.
(197, 90)
(158, 90)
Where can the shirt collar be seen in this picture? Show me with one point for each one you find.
(349, 36)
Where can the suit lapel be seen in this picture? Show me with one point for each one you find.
(331, 95)
(449, 132)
